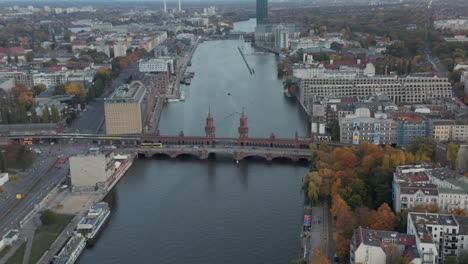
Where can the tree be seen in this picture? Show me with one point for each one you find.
(347, 220)
(34, 118)
(383, 218)
(59, 89)
(339, 205)
(48, 217)
(14, 177)
(299, 261)
(2, 162)
(422, 148)
(320, 257)
(335, 132)
(26, 99)
(459, 212)
(78, 90)
(45, 115)
(29, 56)
(5, 115)
(55, 114)
(22, 114)
(453, 155)
(38, 88)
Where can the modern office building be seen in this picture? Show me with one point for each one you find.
(125, 109)
(262, 12)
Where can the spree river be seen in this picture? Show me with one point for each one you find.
(213, 211)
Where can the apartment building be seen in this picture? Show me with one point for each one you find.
(125, 109)
(380, 131)
(399, 89)
(376, 247)
(422, 184)
(438, 236)
(449, 130)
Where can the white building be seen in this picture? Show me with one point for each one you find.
(374, 246)
(158, 65)
(438, 236)
(453, 24)
(4, 177)
(104, 49)
(50, 79)
(120, 49)
(209, 11)
(422, 184)
(399, 89)
(281, 38)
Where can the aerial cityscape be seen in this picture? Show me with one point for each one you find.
(249, 131)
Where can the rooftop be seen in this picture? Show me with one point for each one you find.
(128, 93)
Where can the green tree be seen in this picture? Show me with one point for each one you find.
(54, 114)
(16, 58)
(29, 56)
(59, 89)
(48, 217)
(335, 132)
(5, 115)
(9, 58)
(38, 88)
(34, 118)
(2, 162)
(422, 148)
(45, 115)
(23, 157)
(22, 114)
(453, 155)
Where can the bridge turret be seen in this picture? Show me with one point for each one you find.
(296, 135)
(243, 127)
(210, 128)
(181, 134)
(272, 136)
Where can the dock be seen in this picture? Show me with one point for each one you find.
(251, 71)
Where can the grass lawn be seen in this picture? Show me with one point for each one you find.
(46, 235)
(4, 251)
(18, 256)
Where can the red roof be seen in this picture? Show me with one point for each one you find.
(11, 50)
(406, 240)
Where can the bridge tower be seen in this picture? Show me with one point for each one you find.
(210, 128)
(243, 127)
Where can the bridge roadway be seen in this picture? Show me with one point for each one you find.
(238, 152)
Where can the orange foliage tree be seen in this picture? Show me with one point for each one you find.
(320, 257)
(383, 218)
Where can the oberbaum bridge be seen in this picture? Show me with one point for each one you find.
(202, 147)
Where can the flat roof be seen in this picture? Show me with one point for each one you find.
(128, 93)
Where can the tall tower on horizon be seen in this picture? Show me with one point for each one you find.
(165, 7)
(262, 12)
(180, 7)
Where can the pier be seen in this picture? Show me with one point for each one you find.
(246, 63)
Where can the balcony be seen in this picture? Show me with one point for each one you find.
(450, 246)
(451, 239)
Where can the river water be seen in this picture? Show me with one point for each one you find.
(213, 211)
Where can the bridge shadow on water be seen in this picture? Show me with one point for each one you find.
(225, 158)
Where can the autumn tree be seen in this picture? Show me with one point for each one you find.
(422, 148)
(26, 99)
(459, 212)
(29, 56)
(320, 257)
(383, 218)
(59, 89)
(78, 90)
(347, 220)
(339, 205)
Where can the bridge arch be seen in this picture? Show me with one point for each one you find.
(283, 159)
(161, 155)
(253, 156)
(186, 156)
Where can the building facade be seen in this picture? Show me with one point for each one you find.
(401, 90)
(262, 12)
(125, 109)
(355, 130)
